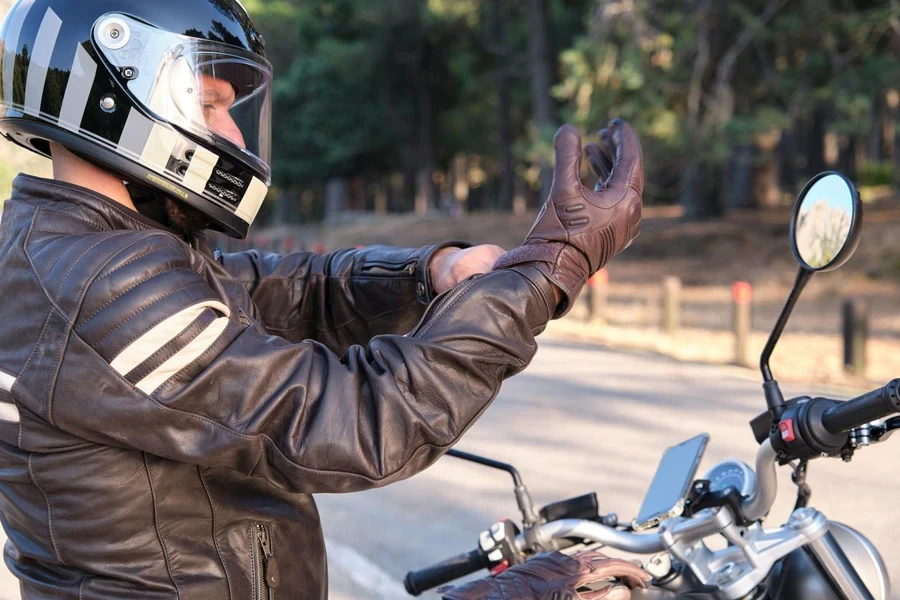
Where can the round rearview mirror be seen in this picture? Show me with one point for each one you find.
(826, 223)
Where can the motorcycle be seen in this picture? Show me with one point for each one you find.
(683, 521)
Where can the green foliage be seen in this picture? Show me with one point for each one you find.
(384, 89)
(873, 174)
(703, 78)
(358, 83)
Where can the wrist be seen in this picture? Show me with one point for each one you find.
(436, 265)
(558, 294)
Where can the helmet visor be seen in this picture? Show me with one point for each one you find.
(215, 91)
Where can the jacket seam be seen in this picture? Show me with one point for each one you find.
(142, 309)
(49, 510)
(102, 240)
(212, 510)
(462, 294)
(125, 291)
(88, 280)
(159, 536)
(81, 587)
(70, 217)
(31, 358)
(133, 259)
(58, 256)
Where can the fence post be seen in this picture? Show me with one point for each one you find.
(855, 328)
(599, 292)
(671, 318)
(742, 298)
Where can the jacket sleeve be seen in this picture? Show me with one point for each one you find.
(177, 372)
(337, 299)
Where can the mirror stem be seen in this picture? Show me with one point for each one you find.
(774, 398)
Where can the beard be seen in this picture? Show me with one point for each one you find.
(184, 219)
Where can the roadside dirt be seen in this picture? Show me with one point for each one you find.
(708, 257)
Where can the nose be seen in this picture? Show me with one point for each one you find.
(223, 123)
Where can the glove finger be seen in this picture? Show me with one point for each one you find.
(608, 568)
(629, 166)
(614, 592)
(567, 170)
(600, 162)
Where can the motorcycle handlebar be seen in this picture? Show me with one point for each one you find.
(754, 507)
(445, 571)
(869, 407)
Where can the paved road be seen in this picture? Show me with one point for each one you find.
(581, 419)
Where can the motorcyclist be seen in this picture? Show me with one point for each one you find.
(167, 411)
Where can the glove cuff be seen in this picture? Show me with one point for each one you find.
(563, 264)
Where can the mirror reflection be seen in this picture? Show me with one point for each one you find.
(823, 221)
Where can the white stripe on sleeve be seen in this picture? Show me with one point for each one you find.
(183, 357)
(6, 381)
(151, 342)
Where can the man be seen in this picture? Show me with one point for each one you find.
(166, 412)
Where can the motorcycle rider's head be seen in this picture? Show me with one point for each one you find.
(171, 96)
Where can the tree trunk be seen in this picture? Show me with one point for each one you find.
(381, 199)
(785, 155)
(847, 156)
(699, 197)
(460, 182)
(738, 189)
(541, 68)
(424, 191)
(501, 64)
(427, 128)
(766, 190)
(337, 193)
(816, 161)
(875, 146)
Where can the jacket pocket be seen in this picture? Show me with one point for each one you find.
(265, 566)
(374, 267)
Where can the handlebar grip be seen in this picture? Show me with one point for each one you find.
(445, 571)
(869, 407)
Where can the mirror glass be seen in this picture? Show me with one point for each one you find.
(823, 221)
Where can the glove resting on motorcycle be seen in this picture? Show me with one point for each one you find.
(579, 230)
(556, 576)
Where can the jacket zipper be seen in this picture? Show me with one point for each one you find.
(266, 575)
(407, 268)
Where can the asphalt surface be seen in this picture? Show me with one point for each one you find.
(582, 419)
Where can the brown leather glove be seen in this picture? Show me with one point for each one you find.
(556, 576)
(578, 230)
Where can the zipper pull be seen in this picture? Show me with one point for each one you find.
(270, 563)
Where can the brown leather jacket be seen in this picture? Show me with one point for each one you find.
(166, 413)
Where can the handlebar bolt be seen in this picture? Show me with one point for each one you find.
(801, 518)
(861, 436)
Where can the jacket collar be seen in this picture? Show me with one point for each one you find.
(107, 210)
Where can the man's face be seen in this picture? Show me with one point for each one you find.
(218, 98)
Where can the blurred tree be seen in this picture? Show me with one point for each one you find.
(736, 100)
(369, 91)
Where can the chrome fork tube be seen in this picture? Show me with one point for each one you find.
(837, 568)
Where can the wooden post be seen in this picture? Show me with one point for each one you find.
(598, 292)
(742, 297)
(671, 317)
(855, 332)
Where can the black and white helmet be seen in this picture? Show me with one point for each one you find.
(174, 95)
